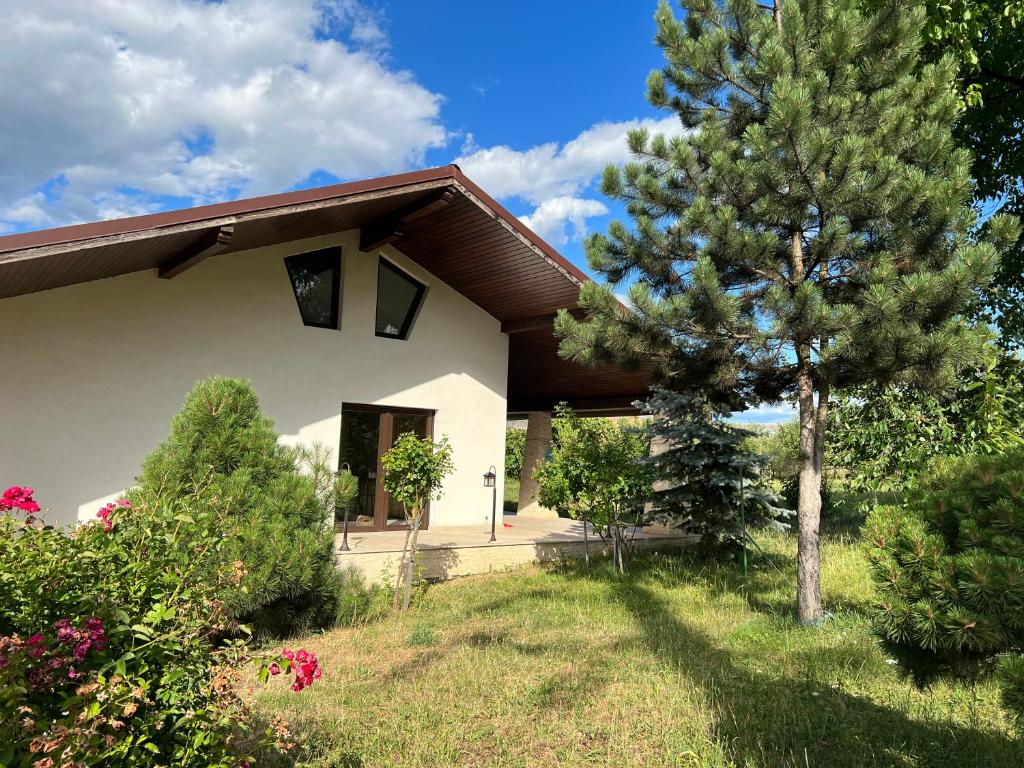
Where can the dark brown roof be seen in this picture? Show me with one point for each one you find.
(472, 243)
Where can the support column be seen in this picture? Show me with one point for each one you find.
(659, 445)
(538, 443)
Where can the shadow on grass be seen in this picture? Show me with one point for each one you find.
(764, 720)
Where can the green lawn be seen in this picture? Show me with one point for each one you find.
(676, 665)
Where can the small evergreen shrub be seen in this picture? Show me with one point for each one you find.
(112, 641)
(949, 569)
(223, 455)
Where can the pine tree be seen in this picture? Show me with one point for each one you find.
(949, 569)
(222, 458)
(708, 472)
(810, 228)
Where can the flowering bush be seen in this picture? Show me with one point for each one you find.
(112, 642)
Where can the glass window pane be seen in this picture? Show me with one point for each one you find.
(316, 279)
(404, 422)
(359, 433)
(398, 298)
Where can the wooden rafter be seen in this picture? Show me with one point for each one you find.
(210, 244)
(389, 229)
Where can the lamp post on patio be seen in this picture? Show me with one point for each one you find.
(344, 528)
(489, 482)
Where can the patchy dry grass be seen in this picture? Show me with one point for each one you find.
(676, 665)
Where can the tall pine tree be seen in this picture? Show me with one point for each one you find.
(810, 229)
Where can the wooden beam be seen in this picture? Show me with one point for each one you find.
(390, 228)
(210, 244)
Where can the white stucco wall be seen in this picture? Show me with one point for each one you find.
(93, 373)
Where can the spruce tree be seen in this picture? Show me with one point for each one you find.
(811, 227)
(712, 482)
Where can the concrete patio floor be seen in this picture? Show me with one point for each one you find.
(447, 551)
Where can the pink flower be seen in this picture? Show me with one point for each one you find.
(287, 654)
(104, 515)
(123, 502)
(275, 668)
(18, 497)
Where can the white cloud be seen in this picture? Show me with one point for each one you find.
(552, 177)
(204, 101)
(550, 218)
(550, 170)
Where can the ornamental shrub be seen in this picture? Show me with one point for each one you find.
(223, 457)
(949, 569)
(112, 647)
(597, 473)
(515, 448)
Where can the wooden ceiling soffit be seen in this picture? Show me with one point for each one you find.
(389, 229)
(210, 244)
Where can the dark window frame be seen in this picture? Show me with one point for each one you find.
(385, 436)
(414, 309)
(334, 251)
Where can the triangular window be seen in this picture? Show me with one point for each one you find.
(398, 300)
(316, 281)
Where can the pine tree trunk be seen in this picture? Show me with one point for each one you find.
(808, 558)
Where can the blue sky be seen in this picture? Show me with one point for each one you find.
(121, 107)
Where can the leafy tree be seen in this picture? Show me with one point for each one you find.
(414, 471)
(948, 565)
(887, 438)
(707, 471)
(515, 447)
(597, 473)
(222, 454)
(810, 229)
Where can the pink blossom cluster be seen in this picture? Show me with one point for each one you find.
(303, 664)
(44, 663)
(19, 497)
(105, 512)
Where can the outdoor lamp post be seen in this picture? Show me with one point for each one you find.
(344, 526)
(489, 479)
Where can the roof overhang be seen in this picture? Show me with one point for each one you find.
(437, 217)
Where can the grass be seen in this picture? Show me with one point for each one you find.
(676, 665)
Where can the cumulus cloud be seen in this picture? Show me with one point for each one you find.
(767, 414)
(553, 177)
(552, 218)
(110, 105)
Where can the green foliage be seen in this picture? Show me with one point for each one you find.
(345, 489)
(779, 449)
(986, 37)
(705, 469)
(949, 569)
(223, 454)
(110, 649)
(414, 471)
(515, 447)
(885, 438)
(596, 471)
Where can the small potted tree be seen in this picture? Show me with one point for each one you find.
(414, 470)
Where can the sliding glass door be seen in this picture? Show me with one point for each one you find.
(367, 432)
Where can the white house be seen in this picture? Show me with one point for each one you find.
(359, 311)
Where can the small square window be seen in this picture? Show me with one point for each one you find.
(398, 300)
(316, 281)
